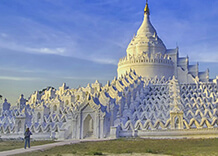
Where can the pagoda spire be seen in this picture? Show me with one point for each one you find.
(146, 10)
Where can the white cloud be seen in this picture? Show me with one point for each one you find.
(79, 78)
(24, 70)
(43, 50)
(4, 35)
(104, 61)
(84, 78)
(58, 51)
(19, 78)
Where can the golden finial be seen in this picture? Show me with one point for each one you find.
(146, 8)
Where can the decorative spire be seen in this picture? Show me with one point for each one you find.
(147, 11)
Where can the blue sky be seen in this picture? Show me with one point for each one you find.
(48, 42)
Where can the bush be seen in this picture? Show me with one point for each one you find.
(97, 153)
(149, 151)
(94, 153)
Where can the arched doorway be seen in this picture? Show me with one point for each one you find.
(88, 127)
(177, 123)
(55, 108)
(67, 102)
(19, 126)
(38, 117)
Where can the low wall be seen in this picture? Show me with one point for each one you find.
(188, 133)
(42, 136)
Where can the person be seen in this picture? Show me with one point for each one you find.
(27, 138)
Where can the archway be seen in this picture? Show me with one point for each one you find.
(19, 126)
(88, 127)
(67, 102)
(55, 108)
(176, 123)
(38, 117)
(78, 97)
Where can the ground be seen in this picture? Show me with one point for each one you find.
(177, 147)
(15, 144)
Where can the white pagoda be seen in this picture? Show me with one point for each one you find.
(156, 94)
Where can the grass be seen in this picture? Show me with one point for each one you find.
(15, 144)
(179, 147)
